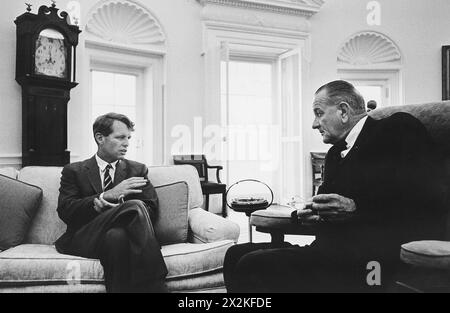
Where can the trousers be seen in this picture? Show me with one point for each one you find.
(124, 240)
(286, 268)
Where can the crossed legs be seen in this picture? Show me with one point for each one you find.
(124, 240)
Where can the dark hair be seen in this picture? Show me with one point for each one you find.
(372, 104)
(342, 91)
(103, 124)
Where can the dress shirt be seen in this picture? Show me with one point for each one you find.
(353, 135)
(102, 169)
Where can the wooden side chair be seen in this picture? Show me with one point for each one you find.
(208, 187)
(317, 162)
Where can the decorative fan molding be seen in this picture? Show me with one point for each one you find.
(369, 48)
(293, 7)
(125, 22)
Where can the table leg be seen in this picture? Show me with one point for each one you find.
(277, 237)
(250, 230)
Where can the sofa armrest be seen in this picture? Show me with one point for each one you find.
(208, 227)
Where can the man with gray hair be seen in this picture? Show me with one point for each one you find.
(381, 188)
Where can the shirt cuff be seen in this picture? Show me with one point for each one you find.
(106, 203)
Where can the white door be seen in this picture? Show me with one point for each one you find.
(291, 153)
(249, 120)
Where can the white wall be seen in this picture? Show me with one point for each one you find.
(10, 91)
(180, 20)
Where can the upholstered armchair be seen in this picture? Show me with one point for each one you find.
(427, 263)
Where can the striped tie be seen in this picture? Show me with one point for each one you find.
(107, 181)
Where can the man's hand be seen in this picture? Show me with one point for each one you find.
(306, 216)
(98, 205)
(330, 207)
(125, 188)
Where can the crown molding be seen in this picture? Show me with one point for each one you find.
(306, 8)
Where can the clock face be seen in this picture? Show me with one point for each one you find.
(50, 57)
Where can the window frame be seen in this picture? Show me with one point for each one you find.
(151, 67)
(111, 68)
(263, 47)
(389, 78)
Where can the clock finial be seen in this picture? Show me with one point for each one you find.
(28, 7)
(53, 3)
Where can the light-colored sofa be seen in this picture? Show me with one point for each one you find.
(193, 266)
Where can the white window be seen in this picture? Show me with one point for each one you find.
(249, 102)
(383, 86)
(113, 91)
(372, 93)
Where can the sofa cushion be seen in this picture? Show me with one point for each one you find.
(46, 226)
(427, 253)
(18, 204)
(31, 265)
(163, 175)
(171, 225)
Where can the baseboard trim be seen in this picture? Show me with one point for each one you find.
(11, 160)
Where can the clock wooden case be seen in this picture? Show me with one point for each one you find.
(45, 69)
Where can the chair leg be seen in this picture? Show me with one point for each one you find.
(207, 203)
(224, 205)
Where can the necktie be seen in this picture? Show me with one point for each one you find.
(107, 180)
(339, 147)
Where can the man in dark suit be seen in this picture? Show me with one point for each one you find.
(108, 204)
(381, 188)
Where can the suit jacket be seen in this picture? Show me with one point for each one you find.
(81, 184)
(393, 173)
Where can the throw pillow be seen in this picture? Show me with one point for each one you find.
(18, 205)
(171, 225)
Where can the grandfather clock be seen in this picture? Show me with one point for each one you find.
(45, 68)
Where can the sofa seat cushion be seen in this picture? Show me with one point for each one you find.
(33, 264)
(430, 254)
(18, 205)
(190, 259)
